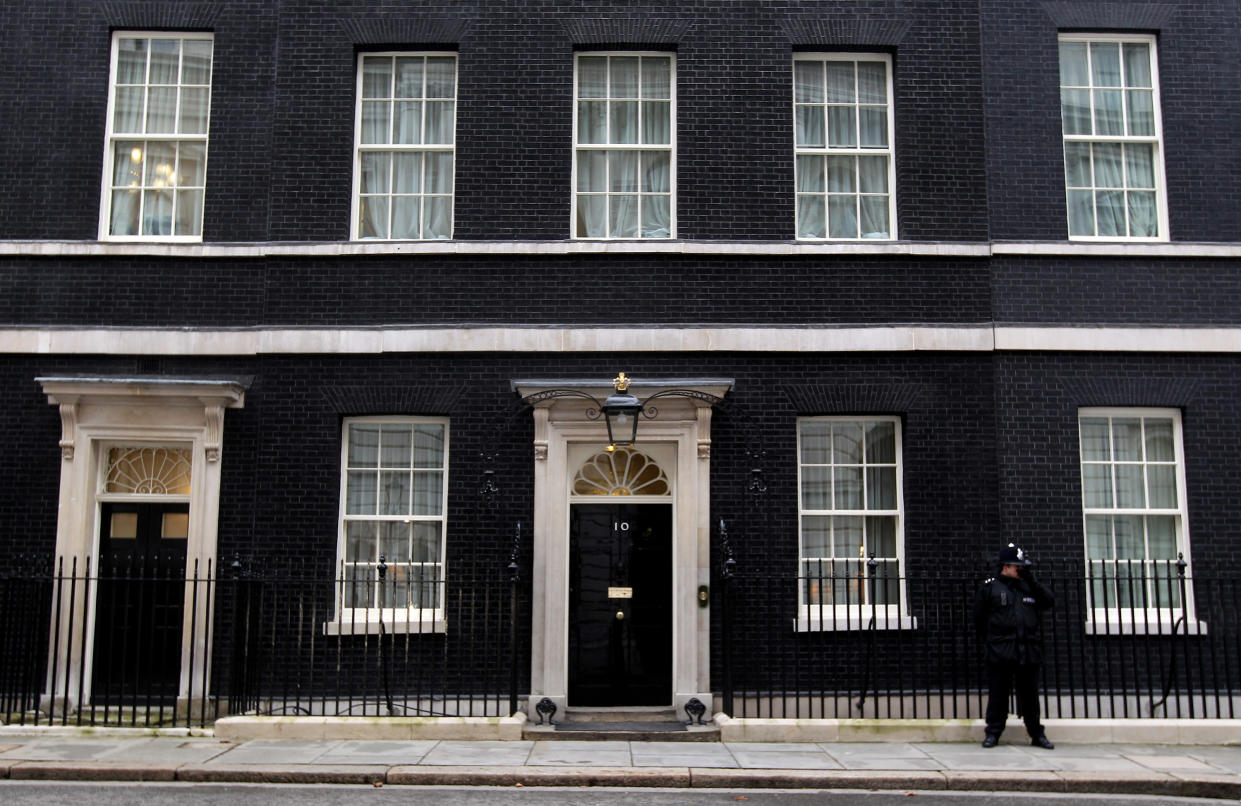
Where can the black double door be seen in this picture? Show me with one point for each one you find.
(140, 601)
(620, 604)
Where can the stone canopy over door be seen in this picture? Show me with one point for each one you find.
(674, 448)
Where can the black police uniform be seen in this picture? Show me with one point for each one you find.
(1007, 614)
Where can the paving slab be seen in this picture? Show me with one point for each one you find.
(816, 779)
(389, 752)
(479, 754)
(91, 771)
(1082, 764)
(1175, 763)
(282, 773)
(275, 751)
(581, 754)
(66, 749)
(540, 776)
(842, 750)
(784, 759)
(679, 754)
(171, 751)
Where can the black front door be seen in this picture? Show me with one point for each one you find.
(140, 600)
(620, 604)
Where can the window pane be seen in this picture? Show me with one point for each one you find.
(157, 212)
(816, 536)
(1105, 64)
(376, 77)
(842, 216)
(406, 172)
(656, 222)
(374, 171)
(1110, 212)
(841, 174)
(194, 106)
(623, 122)
(1127, 439)
(429, 446)
(1129, 537)
(394, 541)
(1099, 537)
(1139, 166)
(394, 492)
(840, 83)
(656, 122)
(873, 174)
(361, 496)
(1141, 112)
(1073, 62)
(848, 487)
(1161, 536)
(1108, 112)
(881, 536)
(440, 122)
(1143, 219)
(872, 78)
(375, 122)
(196, 61)
(437, 217)
(873, 126)
(881, 488)
(1130, 487)
(1161, 480)
(428, 493)
(408, 77)
(808, 82)
(623, 171)
(165, 61)
(406, 217)
(809, 128)
(1096, 439)
(125, 209)
(592, 212)
(816, 488)
(441, 77)
(624, 77)
(162, 110)
(847, 443)
(1081, 212)
(394, 450)
(847, 538)
(361, 542)
(131, 61)
(881, 442)
(656, 77)
(841, 126)
(1097, 486)
(623, 216)
(364, 446)
(1075, 111)
(1137, 65)
(407, 122)
(189, 212)
(438, 178)
(1077, 170)
(874, 216)
(592, 77)
(127, 116)
(1159, 444)
(811, 217)
(592, 122)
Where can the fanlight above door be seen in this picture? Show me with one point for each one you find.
(624, 471)
(148, 471)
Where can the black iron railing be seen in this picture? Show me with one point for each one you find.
(850, 640)
(143, 643)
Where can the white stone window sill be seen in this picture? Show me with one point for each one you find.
(1140, 626)
(427, 625)
(844, 622)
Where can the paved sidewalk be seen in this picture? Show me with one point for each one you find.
(1208, 771)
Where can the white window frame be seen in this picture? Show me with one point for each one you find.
(842, 151)
(419, 148)
(857, 615)
(671, 147)
(1155, 140)
(1148, 619)
(374, 620)
(112, 136)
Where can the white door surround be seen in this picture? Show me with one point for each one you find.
(679, 436)
(103, 411)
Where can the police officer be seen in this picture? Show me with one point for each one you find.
(1007, 612)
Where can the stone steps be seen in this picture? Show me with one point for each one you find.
(621, 725)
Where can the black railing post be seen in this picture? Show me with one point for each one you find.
(727, 569)
(868, 679)
(1168, 680)
(514, 578)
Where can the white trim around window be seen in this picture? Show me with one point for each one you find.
(393, 512)
(1113, 138)
(624, 145)
(155, 150)
(843, 136)
(404, 152)
(850, 510)
(1134, 522)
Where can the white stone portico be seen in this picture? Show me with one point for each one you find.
(103, 411)
(679, 438)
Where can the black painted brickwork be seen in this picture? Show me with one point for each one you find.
(283, 109)
(1196, 43)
